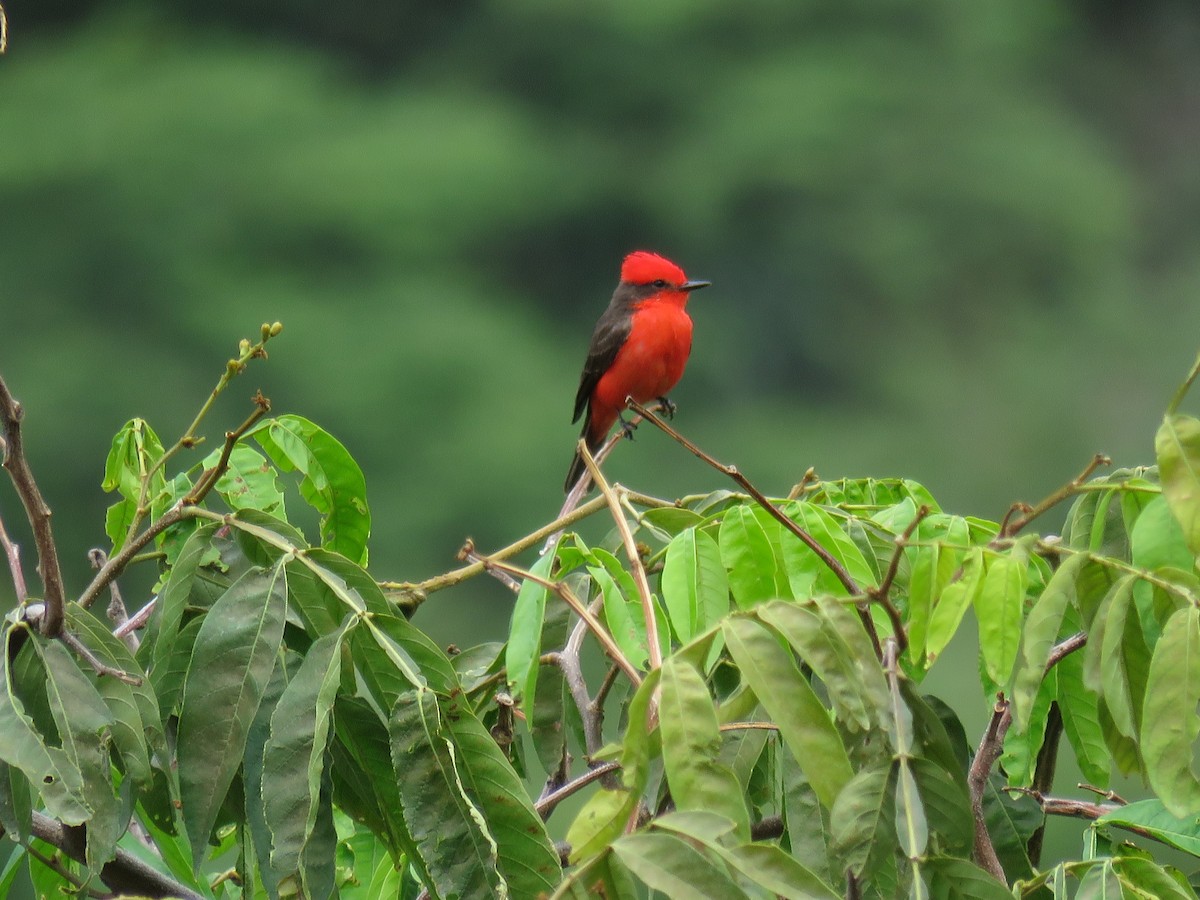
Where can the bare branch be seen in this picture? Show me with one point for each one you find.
(116, 565)
(209, 479)
(989, 751)
(546, 804)
(36, 511)
(778, 514)
(1065, 647)
(880, 594)
(1011, 526)
(13, 553)
(606, 640)
(631, 552)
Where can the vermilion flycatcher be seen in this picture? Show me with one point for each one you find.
(639, 347)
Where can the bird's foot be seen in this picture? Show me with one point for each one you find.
(668, 408)
(627, 427)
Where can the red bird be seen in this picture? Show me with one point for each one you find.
(639, 347)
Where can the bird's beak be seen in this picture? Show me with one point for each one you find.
(694, 285)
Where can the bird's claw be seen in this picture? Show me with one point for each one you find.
(627, 427)
(668, 408)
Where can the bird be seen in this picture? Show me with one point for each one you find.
(639, 348)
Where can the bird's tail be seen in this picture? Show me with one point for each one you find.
(578, 467)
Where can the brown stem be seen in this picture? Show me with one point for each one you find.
(580, 609)
(778, 514)
(545, 805)
(116, 565)
(36, 510)
(13, 553)
(1011, 526)
(209, 479)
(1064, 648)
(989, 751)
(568, 664)
(1043, 776)
(880, 594)
(631, 552)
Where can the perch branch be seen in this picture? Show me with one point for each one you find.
(208, 480)
(545, 805)
(116, 565)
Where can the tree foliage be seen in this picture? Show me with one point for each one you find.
(736, 706)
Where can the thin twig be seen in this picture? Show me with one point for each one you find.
(208, 480)
(100, 667)
(137, 620)
(3, 30)
(606, 640)
(990, 747)
(800, 487)
(13, 554)
(116, 565)
(117, 613)
(36, 510)
(1010, 526)
(1109, 795)
(420, 589)
(749, 726)
(1065, 647)
(778, 514)
(234, 367)
(631, 551)
(545, 805)
(880, 594)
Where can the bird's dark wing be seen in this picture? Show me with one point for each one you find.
(610, 335)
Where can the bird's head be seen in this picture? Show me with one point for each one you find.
(650, 273)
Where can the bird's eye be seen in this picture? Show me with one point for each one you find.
(660, 283)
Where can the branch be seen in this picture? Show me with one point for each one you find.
(584, 484)
(631, 552)
(116, 565)
(209, 479)
(36, 511)
(1010, 526)
(13, 553)
(824, 555)
(124, 874)
(246, 352)
(989, 751)
(1064, 648)
(880, 594)
(580, 609)
(545, 805)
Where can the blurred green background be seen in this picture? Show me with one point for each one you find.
(956, 242)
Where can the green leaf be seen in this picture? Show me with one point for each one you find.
(951, 878)
(832, 641)
(16, 804)
(1153, 816)
(1042, 628)
(807, 572)
(1081, 717)
(749, 557)
(952, 605)
(525, 633)
(1157, 541)
(332, 483)
(49, 769)
(1147, 879)
(694, 585)
(998, 609)
(911, 825)
(628, 629)
(447, 826)
(294, 757)
(666, 863)
(249, 482)
(691, 743)
(947, 806)
(1011, 822)
(84, 723)
(231, 663)
(1169, 721)
(804, 723)
(256, 831)
(863, 820)
(1177, 446)
(525, 857)
(1124, 662)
